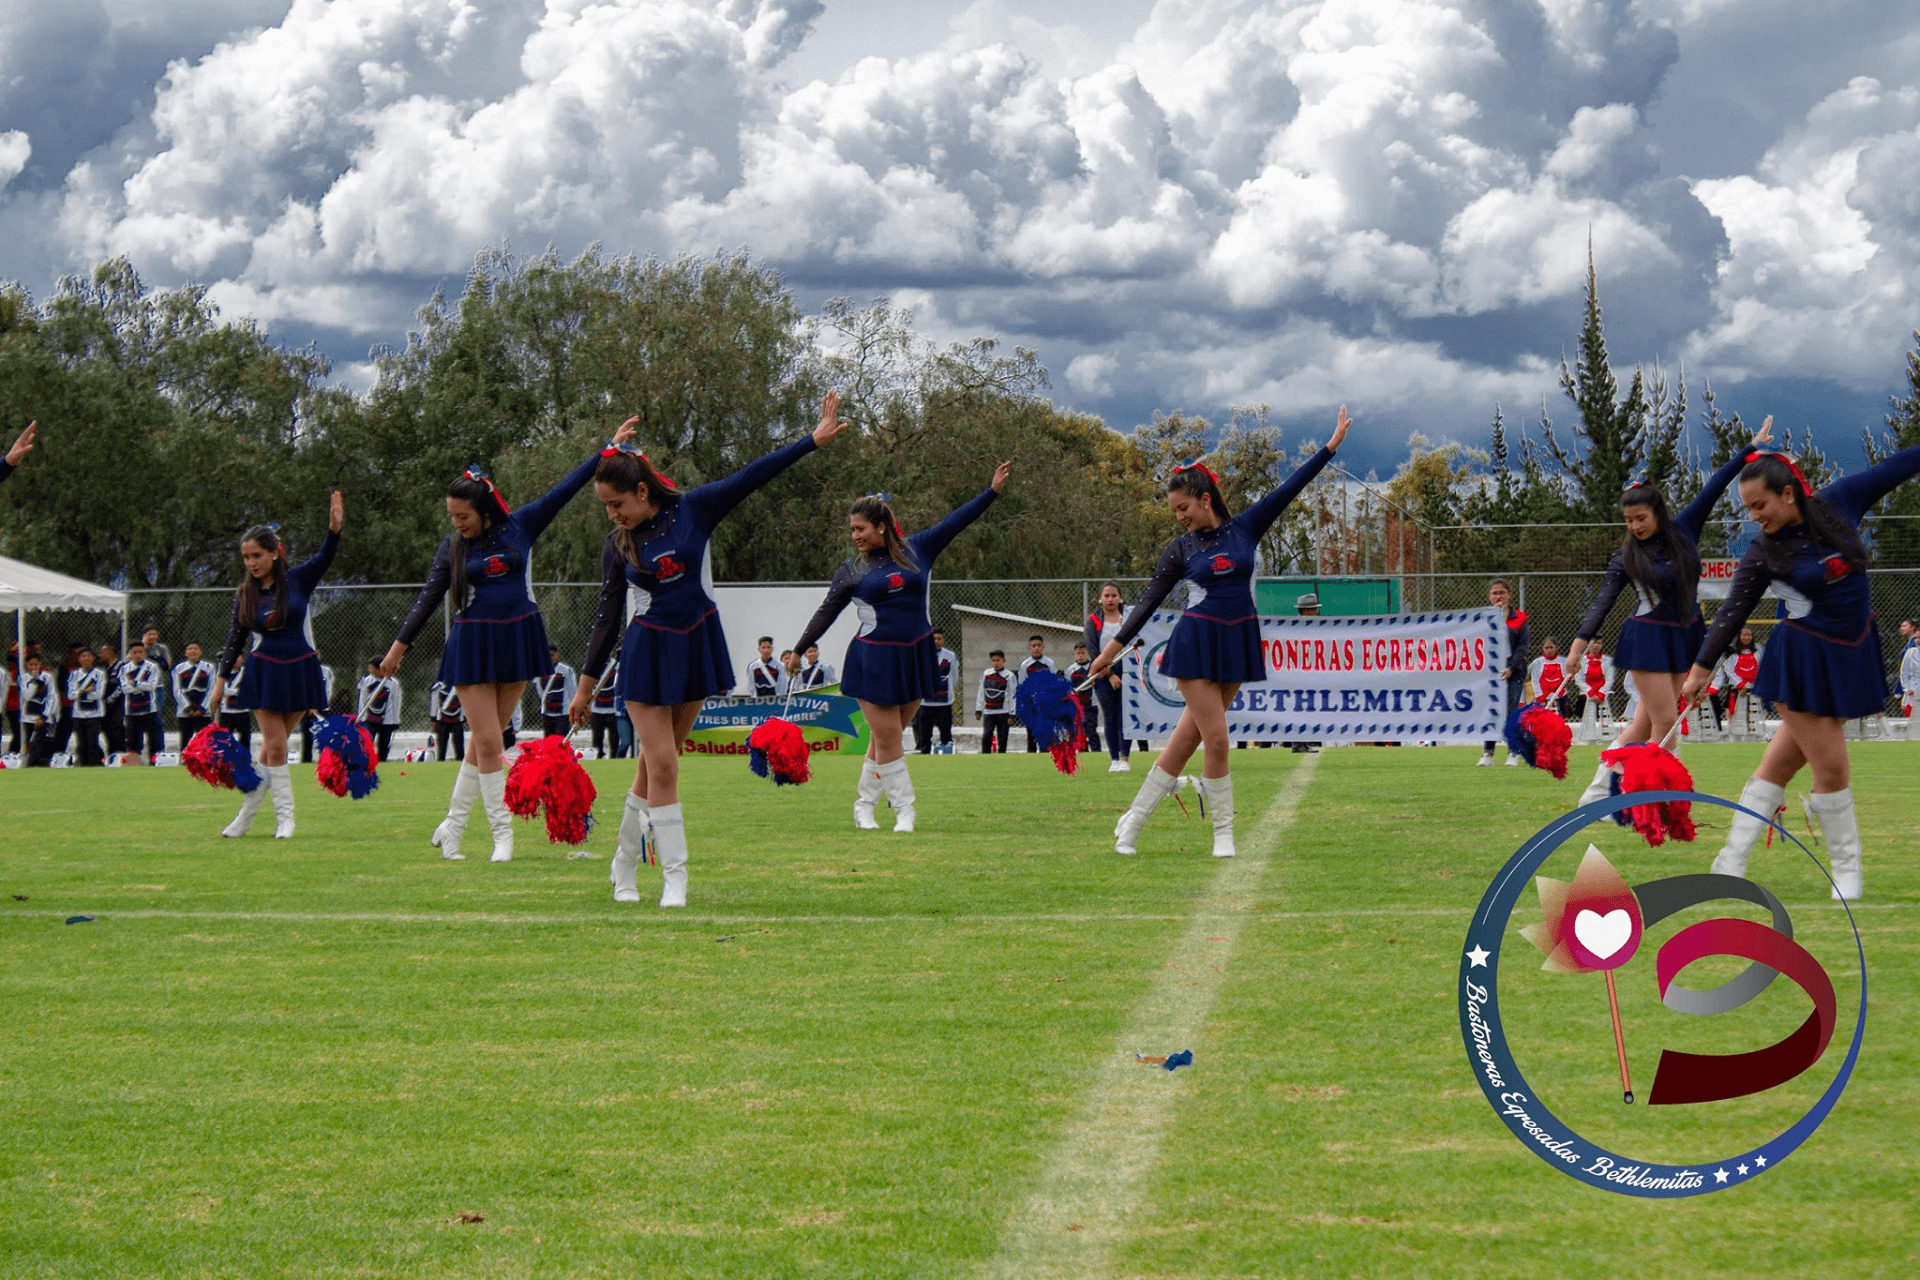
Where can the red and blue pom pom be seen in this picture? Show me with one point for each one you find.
(1540, 737)
(776, 747)
(546, 775)
(347, 761)
(1647, 766)
(1052, 716)
(217, 758)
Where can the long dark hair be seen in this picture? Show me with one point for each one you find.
(625, 472)
(1123, 598)
(1197, 481)
(878, 512)
(486, 500)
(1825, 525)
(1681, 553)
(250, 593)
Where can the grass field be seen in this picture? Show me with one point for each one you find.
(864, 1054)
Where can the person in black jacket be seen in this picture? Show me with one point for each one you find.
(1500, 596)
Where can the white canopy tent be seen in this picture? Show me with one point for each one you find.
(24, 586)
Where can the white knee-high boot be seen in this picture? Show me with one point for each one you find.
(1159, 784)
(1763, 798)
(1602, 785)
(634, 822)
(1219, 793)
(867, 797)
(1834, 812)
(466, 789)
(280, 779)
(250, 803)
(670, 843)
(899, 788)
(493, 797)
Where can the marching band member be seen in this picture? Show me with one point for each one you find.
(87, 690)
(936, 709)
(605, 711)
(22, 446)
(557, 688)
(192, 679)
(1106, 691)
(234, 717)
(1732, 686)
(140, 691)
(890, 663)
(765, 677)
(812, 674)
(498, 641)
(1909, 665)
(311, 721)
(377, 706)
(673, 653)
(1823, 664)
(1548, 675)
(1514, 674)
(1215, 647)
(39, 712)
(116, 700)
(284, 679)
(449, 721)
(993, 704)
(1660, 557)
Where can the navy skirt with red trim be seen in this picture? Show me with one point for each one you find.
(1203, 648)
(664, 668)
(1648, 644)
(889, 673)
(1818, 674)
(481, 651)
(286, 685)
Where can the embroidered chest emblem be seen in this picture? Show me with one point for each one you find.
(896, 581)
(1837, 568)
(497, 567)
(666, 568)
(1222, 564)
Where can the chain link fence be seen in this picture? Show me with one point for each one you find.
(353, 624)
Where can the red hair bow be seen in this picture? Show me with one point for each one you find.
(1799, 479)
(475, 473)
(1201, 467)
(633, 451)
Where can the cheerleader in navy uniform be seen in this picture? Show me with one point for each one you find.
(1661, 558)
(498, 641)
(890, 664)
(1822, 663)
(1106, 690)
(1215, 647)
(283, 669)
(673, 654)
(22, 446)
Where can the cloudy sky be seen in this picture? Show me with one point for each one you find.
(1181, 203)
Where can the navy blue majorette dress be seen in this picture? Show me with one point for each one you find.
(892, 660)
(1656, 638)
(672, 650)
(1824, 657)
(1218, 637)
(498, 636)
(283, 667)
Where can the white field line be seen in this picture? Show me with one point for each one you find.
(1093, 1177)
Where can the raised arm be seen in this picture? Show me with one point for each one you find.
(309, 572)
(709, 504)
(439, 579)
(533, 518)
(610, 619)
(1259, 517)
(929, 543)
(1852, 495)
(839, 592)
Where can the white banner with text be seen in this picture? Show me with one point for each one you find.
(1417, 677)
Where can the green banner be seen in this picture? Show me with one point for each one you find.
(828, 720)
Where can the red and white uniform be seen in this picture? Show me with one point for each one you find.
(1549, 677)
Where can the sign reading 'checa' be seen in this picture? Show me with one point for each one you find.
(1431, 677)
